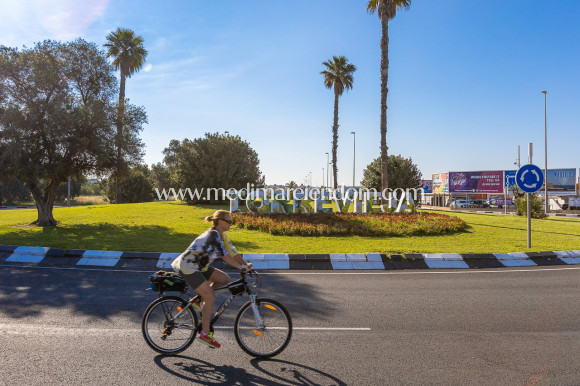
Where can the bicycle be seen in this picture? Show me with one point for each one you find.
(263, 327)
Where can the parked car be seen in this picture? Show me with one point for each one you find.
(458, 204)
(480, 204)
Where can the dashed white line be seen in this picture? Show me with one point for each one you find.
(29, 329)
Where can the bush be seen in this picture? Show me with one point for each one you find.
(215, 161)
(135, 187)
(13, 191)
(403, 173)
(351, 224)
(537, 206)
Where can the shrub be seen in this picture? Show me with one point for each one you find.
(354, 224)
(537, 206)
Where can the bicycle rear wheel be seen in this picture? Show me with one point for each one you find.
(268, 341)
(165, 334)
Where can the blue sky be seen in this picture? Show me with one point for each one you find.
(465, 77)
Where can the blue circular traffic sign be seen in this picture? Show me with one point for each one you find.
(530, 178)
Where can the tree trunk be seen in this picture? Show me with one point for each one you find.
(384, 93)
(120, 114)
(44, 203)
(335, 141)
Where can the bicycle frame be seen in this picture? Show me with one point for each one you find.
(227, 302)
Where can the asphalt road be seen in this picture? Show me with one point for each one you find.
(502, 326)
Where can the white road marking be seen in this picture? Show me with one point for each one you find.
(306, 328)
(31, 329)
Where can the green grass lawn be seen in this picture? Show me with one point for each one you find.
(171, 226)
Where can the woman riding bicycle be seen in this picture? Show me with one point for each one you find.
(200, 276)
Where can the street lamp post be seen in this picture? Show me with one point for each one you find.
(353, 155)
(327, 163)
(545, 150)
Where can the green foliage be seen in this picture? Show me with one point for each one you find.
(403, 173)
(57, 116)
(386, 10)
(536, 204)
(170, 227)
(129, 56)
(62, 190)
(127, 51)
(93, 187)
(350, 224)
(215, 161)
(135, 186)
(338, 74)
(13, 192)
(160, 176)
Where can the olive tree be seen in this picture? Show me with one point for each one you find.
(57, 117)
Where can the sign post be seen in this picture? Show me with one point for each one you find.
(530, 179)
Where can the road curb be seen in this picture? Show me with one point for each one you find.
(11, 254)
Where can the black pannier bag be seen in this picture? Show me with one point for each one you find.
(163, 281)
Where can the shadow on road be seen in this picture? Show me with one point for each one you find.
(272, 372)
(28, 292)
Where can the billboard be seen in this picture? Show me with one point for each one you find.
(561, 182)
(476, 182)
(509, 178)
(440, 183)
(427, 186)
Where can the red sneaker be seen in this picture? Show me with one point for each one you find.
(208, 340)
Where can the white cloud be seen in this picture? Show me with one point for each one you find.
(28, 21)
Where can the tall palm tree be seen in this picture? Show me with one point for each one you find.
(386, 9)
(128, 55)
(338, 73)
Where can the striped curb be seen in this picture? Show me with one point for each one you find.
(282, 261)
(563, 214)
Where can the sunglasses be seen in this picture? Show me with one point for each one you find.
(228, 221)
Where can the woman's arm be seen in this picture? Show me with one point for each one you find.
(240, 259)
(235, 261)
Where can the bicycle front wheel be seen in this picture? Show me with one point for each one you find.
(270, 340)
(164, 332)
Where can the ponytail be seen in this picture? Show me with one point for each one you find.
(218, 215)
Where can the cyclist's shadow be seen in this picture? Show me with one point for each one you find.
(280, 372)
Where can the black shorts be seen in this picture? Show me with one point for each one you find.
(197, 278)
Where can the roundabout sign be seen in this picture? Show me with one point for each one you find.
(530, 178)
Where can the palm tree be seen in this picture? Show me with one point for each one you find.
(338, 73)
(386, 9)
(128, 55)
